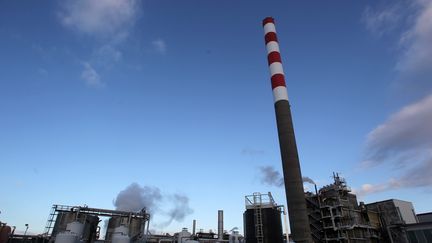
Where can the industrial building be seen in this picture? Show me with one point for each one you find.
(262, 219)
(336, 216)
(76, 224)
(329, 215)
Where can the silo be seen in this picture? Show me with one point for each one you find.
(63, 218)
(90, 224)
(5, 232)
(262, 219)
(271, 225)
(136, 226)
(113, 223)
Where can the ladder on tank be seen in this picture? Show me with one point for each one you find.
(53, 216)
(258, 218)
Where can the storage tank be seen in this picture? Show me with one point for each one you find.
(234, 237)
(120, 235)
(271, 225)
(113, 223)
(66, 237)
(5, 232)
(73, 233)
(184, 236)
(136, 226)
(90, 224)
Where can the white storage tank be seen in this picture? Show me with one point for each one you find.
(120, 235)
(234, 237)
(66, 237)
(76, 228)
(184, 236)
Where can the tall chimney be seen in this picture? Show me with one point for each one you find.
(220, 224)
(193, 226)
(299, 222)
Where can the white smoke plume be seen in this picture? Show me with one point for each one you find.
(308, 180)
(270, 176)
(136, 197)
(180, 210)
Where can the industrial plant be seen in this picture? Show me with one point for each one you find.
(329, 214)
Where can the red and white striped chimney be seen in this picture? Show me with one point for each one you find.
(299, 222)
(274, 61)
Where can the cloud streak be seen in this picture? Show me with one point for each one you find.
(411, 22)
(159, 46)
(405, 142)
(91, 77)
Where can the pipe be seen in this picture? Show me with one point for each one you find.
(220, 224)
(298, 216)
(285, 224)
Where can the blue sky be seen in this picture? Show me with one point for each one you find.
(175, 96)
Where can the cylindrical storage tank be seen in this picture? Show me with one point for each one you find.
(135, 227)
(66, 237)
(183, 236)
(234, 237)
(120, 235)
(271, 225)
(90, 227)
(76, 228)
(113, 223)
(120, 238)
(121, 230)
(62, 219)
(5, 232)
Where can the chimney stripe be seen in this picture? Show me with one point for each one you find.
(278, 80)
(270, 36)
(272, 46)
(274, 57)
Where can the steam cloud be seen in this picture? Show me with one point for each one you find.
(270, 176)
(180, 211)
(309, 180)
(136, 197)
(405, 141)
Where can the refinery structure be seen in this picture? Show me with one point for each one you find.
(328, 214)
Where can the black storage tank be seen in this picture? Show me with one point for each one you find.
(271, 225)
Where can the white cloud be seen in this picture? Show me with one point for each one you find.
(99, 17)
(407, 131)
(416, 41)
(159, 45)
(405, 142)
(91, 77)
(380, 22)
(411, 22)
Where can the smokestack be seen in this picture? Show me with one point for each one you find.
(299, 222)
(220, 224)
(193, 227)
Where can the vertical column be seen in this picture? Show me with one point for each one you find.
(299, 222)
